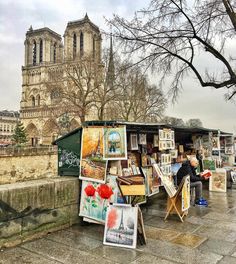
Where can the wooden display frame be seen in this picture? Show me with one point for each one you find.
(174, 204)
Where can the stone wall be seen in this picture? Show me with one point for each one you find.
(32, 209)
(20, 168)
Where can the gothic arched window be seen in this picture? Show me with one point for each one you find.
(74, 45)
(38, 100)
(33, 101)
(40, 51)
(54, 52)
(34, 52)
(81, 44)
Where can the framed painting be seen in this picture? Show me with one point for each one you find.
(95, 198)
(121, 226)
(93, 166)
(167, 181)
(209, 164)
(133, 141)
(143, 139)
(215, 141)
(229, 150)
(161, 134)
(218, 181)
(155, 141)
(174, 153)
(115, 147)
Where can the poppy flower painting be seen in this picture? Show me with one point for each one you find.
(95, 198)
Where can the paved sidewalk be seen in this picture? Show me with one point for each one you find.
(208, 235)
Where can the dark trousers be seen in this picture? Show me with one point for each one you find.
(198, 189)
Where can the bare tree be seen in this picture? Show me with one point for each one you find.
(169, 35)
(77, 86)
(174, 121)
(194, 122)
(136, 99)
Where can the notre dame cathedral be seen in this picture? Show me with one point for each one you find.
(46, 53)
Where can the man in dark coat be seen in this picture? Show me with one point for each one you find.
(189, 168)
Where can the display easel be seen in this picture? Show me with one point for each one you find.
(174, 204)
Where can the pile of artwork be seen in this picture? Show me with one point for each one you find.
(115, 170)
(100, 144)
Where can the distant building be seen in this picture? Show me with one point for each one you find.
(41, 111)
(8, 121)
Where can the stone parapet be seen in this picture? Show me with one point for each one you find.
(32, 209)
(27, 167)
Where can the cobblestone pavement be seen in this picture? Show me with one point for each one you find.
(208, 235)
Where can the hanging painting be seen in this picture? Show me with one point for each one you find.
(93, 167)
(155, 141)
(95, 198)
(121, 226)
(133, 141)
(115, 143)
(215, 141)
(218, 181)
(142, 139)
(209, 164)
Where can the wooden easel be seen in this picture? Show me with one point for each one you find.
(174, 204)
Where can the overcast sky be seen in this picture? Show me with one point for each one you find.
(16, 17)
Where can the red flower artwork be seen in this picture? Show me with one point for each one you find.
(90, 190)
(104, 191)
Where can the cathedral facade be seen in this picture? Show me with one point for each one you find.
(47, 55)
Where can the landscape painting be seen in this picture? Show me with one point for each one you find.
(121, 226)
(93, 167)
(115, 143)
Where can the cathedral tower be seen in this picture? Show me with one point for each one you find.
(45, 57)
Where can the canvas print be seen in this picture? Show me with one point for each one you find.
(215, 141)
(121, 226)
(95, 198)
(115, 143)
(161, 134)
(218, 181)
(229, 150)
(209, 164)
(93, 167)
(139, 199)
(134, 141)
(186, 194)
(152, 181)
(174, 153)
(142, 139)
(167, 181)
